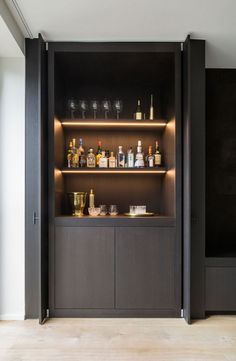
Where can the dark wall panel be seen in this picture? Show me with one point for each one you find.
(220, 162)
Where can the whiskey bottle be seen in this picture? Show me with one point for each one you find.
(150, 158)
(139, 159)
(69, 156)
(157, 156)
(75, 157)
(112, 161)
(130, 158)
(81, 155)
(103, 161)
(120, 158)
(99, 152)
(138, 113)
(91, 159)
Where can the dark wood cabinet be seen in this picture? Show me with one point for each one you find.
(84, 267)
(116, 266)
(145, 268)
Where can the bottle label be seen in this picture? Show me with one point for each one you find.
(112, 163)
(103, 162)
(130, 160)
(138, 116)
(150, 162)
(157, 159)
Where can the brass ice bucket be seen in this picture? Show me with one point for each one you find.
(77, 203)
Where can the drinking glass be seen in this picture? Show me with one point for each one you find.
(118, 106)
(103, 210)
(106, 107)
(113, 210)
(83, 107)
(73, 106)
(95, 107)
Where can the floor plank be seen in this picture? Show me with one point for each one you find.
(119, 339)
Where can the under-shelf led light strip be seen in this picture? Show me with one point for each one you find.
(115, 171)
(115, 124)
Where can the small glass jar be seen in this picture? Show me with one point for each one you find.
(113, 210)
(103, 210)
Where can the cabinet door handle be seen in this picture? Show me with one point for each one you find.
(35, 218)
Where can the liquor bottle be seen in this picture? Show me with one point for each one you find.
(99, 152)
(112, 161)
(91, 199)
(139, 159)
(130, 158)
(150, 158)
(75, 157)
(157, 156)
(81, 154)
(69, 155)
(151, 114)
(120, 158)
(138, 113)
(91, 159)
(103, 161)
(107, 153)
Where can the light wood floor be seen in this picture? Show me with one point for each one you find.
(119, 339)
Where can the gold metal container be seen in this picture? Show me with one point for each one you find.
(77, 203)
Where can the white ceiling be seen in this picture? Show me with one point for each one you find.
(138, 20)
(8, 45)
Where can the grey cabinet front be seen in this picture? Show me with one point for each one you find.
(84, 267)
(145, 272)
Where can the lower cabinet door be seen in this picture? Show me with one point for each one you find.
(84, 267)
(145, 268)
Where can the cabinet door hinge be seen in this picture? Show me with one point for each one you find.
(182, 313)
(47, 313)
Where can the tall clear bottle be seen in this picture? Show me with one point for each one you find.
(130, 158)
(139, 158)
(120, 157)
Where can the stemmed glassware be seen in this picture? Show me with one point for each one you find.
(95, 107)
(106, 107)
(118, 106)
(73, 106)
(83, 107)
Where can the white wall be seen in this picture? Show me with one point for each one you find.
(138, 20)
(12, 178)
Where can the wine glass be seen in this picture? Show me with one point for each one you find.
(106, 106)
(118, 106)
(73, 106)
(95, 107)
(83, 107)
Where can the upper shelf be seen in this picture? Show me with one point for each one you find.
(114, 124)
(114, 170)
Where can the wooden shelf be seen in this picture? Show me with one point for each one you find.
(120, 220)
(113, 170)
(113, 123)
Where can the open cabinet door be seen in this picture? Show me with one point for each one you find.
(193, 178)
(36, 234)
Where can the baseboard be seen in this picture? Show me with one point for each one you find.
(12, 317)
